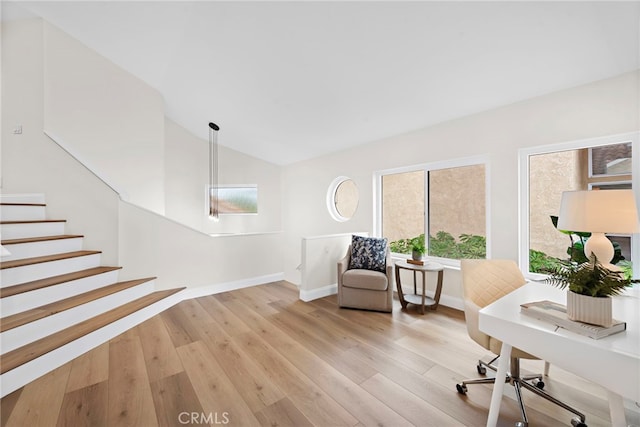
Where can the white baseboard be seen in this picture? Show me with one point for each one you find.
(310, 295)
(217, 288)
(452, 302)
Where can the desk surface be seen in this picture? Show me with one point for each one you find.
(613, 361)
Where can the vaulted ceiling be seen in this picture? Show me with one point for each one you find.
(287, 81)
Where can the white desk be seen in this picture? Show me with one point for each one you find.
(612, 362)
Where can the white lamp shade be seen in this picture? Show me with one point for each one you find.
(599, 211)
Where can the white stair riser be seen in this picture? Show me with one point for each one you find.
(28, 300)
(22, 198)
(28, 273)
(36, 229)
(14, 379)
(47, 247)
(25, 334)
(22, 213)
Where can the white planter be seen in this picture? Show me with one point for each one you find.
(583, 308)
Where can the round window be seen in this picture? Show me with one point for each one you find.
(342, 198)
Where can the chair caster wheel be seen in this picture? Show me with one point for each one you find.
(577, 422)
(481, 369)
(521, 424)
(540, 384)
(462, 389)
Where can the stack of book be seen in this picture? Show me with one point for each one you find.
(556, 314)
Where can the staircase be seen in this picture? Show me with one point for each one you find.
(56, 299)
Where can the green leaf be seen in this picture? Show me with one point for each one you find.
(589, 278)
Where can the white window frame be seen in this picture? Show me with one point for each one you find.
(523, 183)
(427, 167)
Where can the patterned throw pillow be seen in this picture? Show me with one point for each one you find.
(368, 253)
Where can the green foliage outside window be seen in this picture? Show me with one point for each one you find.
(444, 245)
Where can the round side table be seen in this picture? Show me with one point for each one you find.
(421, 300)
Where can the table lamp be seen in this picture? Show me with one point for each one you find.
(599, 212)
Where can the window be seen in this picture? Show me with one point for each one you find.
(235, 199)
(403, 208)
(598, 164)
(448, 199)
(342, 198)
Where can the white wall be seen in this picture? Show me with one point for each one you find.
(111, 119)
(144, 243)
(152, 245)
(187, 175)
(32, 163)
(601, 108)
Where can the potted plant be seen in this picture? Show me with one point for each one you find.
(591, 286)
(417, 247)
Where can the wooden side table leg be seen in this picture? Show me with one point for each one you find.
(415, 290)
(399, 286)
(424, 290)
(436, 297)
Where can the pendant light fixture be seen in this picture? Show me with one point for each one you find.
(214, 211)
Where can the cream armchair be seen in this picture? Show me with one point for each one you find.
(365, 289)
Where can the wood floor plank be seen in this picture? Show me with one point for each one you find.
(410, 358)
(310, 399)
(85, 407)
(7, 404)
(323, 332)
(286, 292)
(457, 360)
(173, 397)
(196, 314)
(130, 398)
(356, 400)
(256, 302)
(160, 356)
(179, 327)
(231, 323)
(413, 408)
(40, 401)
(256, 388)
(90, 368)
(317, 340)
(217, 394)
(282, 413)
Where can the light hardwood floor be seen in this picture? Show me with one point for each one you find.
(261, 357)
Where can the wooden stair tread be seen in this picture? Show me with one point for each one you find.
(19, 319)
(22, 204)
(29, 352)
(33, 221)
(46, 258)
(41, 239)
(54, 280)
